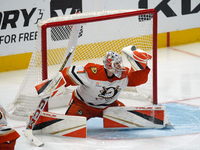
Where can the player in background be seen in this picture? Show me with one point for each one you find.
(98, 86)
(8, 136)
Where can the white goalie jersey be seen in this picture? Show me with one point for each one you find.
(95, 88)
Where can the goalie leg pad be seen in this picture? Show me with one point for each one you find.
(61, 125)
(135, 117)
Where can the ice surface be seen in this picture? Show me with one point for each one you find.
(178, 90)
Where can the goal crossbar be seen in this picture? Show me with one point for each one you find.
(97, 42)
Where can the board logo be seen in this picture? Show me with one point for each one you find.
(60, 8)
(167, 9)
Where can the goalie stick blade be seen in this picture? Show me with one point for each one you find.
(29, 135)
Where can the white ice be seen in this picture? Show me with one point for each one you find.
(178, 82)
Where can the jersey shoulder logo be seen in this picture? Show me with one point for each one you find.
(94, 69)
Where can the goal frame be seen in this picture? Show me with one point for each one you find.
(102, 18)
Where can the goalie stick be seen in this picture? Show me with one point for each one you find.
(28, 131)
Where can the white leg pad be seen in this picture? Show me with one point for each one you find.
(135, 117)
(61, 125)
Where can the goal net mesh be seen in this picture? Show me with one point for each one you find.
(95, 38)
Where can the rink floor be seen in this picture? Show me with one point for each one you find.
(178, 91)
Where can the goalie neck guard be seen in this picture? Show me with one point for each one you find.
(113, 62)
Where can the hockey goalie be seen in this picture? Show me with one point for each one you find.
(98, 88)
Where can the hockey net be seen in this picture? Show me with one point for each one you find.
(99, 32)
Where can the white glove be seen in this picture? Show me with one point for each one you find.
(137, 57)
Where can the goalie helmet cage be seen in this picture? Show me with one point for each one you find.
(100, 32)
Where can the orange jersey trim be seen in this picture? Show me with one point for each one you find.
(81, 71)
(136, 78)
(99, 73)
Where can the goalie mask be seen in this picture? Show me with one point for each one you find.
(113, 62)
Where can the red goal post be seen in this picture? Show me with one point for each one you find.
(100, 32)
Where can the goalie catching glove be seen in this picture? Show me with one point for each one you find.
(137, 57)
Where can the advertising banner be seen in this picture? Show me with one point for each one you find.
(18, 19)
(18, 23)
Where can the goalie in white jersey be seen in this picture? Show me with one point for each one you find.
(100, 85)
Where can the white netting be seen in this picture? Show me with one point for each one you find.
(95, 39)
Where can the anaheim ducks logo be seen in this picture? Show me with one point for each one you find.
(108, 93)
(94, 69)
